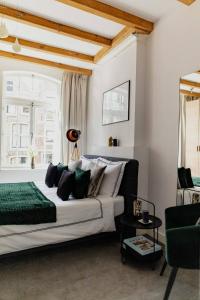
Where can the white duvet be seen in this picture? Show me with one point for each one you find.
(75, 219)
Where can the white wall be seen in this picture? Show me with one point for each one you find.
(118, 70)
(14, 65)
(17, 65)
(172, 51)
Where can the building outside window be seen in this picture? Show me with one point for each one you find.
(30, 120)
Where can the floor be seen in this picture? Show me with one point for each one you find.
(89, 273)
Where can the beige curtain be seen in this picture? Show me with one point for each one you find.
(73, 111)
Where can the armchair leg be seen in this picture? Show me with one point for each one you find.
(172, 278)
(163, 268)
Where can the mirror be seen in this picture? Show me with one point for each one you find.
(188, 187)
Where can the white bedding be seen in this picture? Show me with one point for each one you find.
(75, 219)
(184, 196)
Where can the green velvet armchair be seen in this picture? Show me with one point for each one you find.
(182, 240)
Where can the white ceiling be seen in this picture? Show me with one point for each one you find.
(152, 10)
(53, 10)
(56, 11)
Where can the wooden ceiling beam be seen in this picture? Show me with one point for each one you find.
(44, 62)
(52, 26)
(50, 49)
(191, 94)
(190, 83)
(122, 35)
(111, 13)
(187, 2)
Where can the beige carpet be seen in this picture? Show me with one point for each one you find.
(89, 273)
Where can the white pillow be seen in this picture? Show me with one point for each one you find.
(110, 179)
(74, 164)
(122, 164)
(86, 163)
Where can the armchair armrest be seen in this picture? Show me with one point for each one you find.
(183, 247)
(180, 216)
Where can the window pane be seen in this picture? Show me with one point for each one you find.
(16, 135)
(11, 109)
(15, 140)
(44, 134)
(11, 86)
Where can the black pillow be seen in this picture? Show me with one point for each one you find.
(66, 185)
(185, 178)
(182, 178)
(82, 181)
(51, 175)
(60, 169)
(188, 175)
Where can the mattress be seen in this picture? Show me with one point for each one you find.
(63, 206)
(75, 219)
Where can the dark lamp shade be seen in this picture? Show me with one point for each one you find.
(73, 135)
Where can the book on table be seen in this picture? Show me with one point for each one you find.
(142, 245)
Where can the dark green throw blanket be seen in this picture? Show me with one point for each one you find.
(23, 203)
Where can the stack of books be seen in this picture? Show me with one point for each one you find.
(142, 245)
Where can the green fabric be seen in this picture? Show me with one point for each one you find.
(23, 203)
(183, 247)
(180, 216)
(82, 180)
(183, 236)
(196, 181)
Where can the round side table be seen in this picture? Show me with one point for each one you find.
(129, 225)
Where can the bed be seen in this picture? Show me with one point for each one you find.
(76, 219)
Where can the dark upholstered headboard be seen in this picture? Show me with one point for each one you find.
(129, 184)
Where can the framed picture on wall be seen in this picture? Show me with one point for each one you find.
(116, 104)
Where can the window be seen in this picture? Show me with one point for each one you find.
(20, 136)
(30, 120)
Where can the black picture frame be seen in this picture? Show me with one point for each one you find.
(125, 119)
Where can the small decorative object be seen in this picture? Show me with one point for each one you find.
(115, 142)
(73, 136)
(137, 206)
(16, 46)
(195, 198)
(116, 104)
(110, 141)
(145, 216)
(33, 154)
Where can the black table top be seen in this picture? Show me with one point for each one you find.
(133, 222)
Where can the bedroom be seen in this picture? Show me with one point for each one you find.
(153, 63)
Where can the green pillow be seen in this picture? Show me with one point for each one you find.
(82, 181)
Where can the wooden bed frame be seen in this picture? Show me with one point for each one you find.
(129, 186)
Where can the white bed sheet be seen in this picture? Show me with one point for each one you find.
(75, 219)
